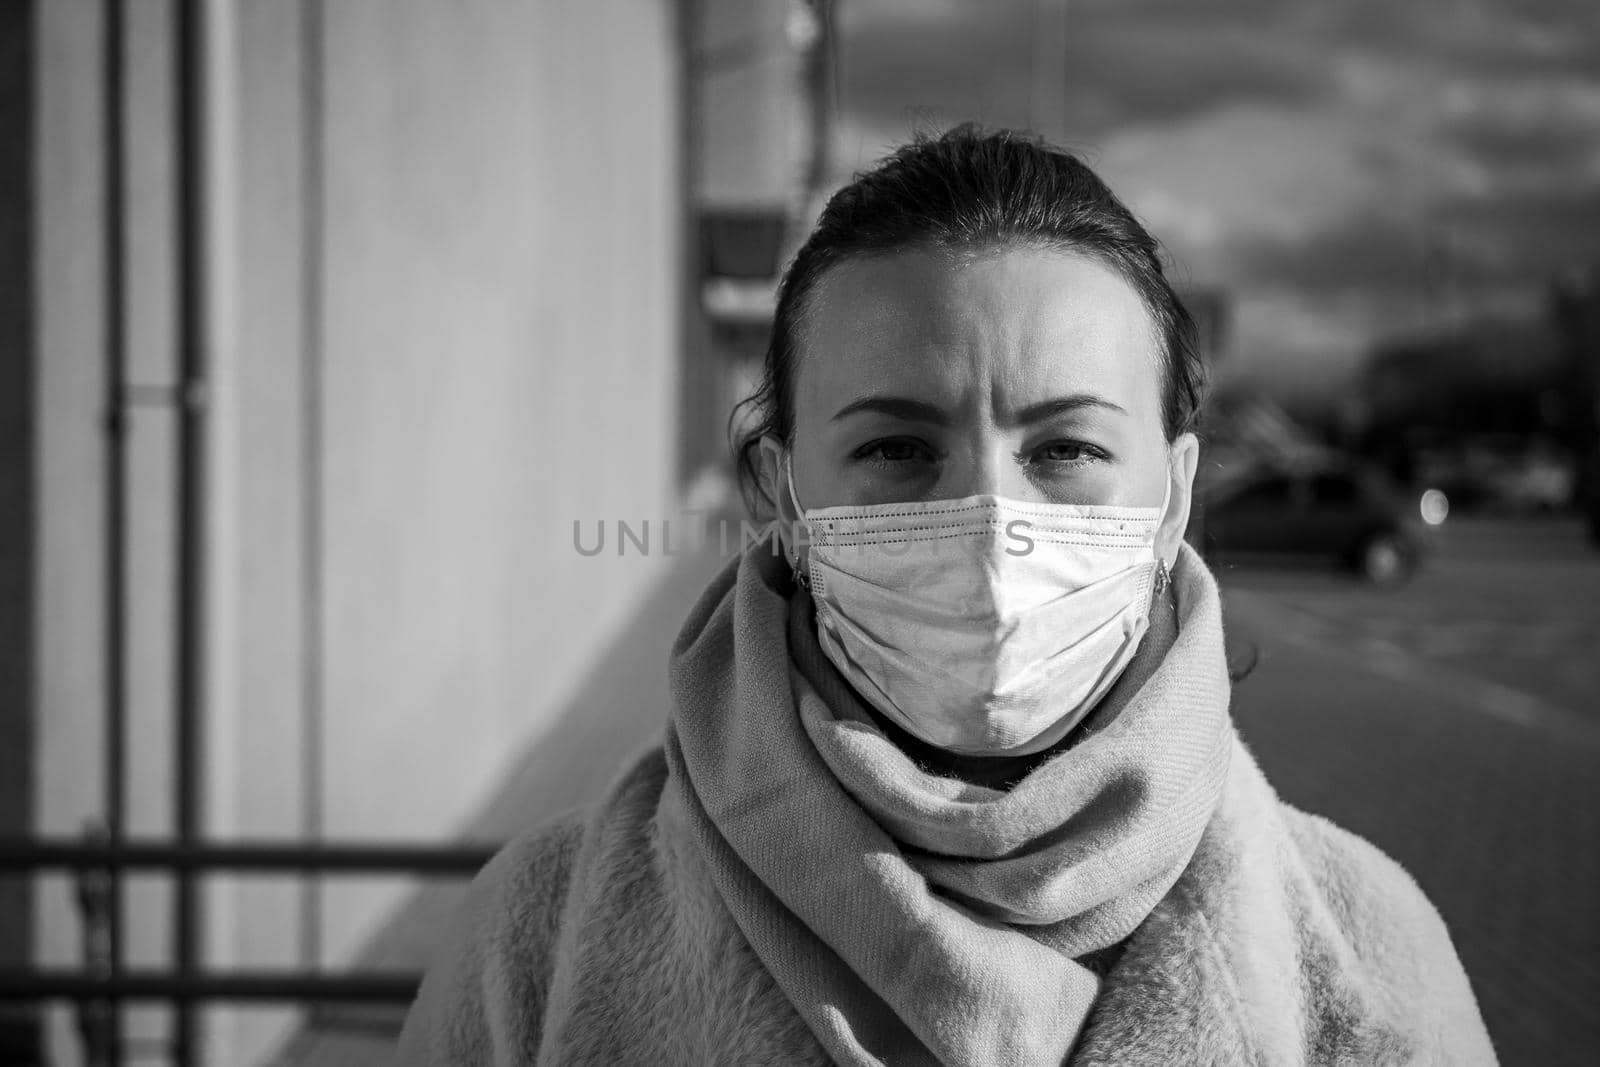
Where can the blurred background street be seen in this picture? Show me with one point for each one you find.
(1454, 722)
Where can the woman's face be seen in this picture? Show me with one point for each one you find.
(1023, 373)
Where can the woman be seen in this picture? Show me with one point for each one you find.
(948, 774)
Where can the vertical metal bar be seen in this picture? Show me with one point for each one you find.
(192, 332)
(819, 93)
(311, 595)
(22, 91)
(815, 87)
(1030, 64)
(116, 426)
(701, 386)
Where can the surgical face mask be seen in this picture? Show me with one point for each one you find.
(984, 625)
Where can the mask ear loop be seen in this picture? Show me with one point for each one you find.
(799, 514)
(1163, 576)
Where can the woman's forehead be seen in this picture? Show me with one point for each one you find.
(1015, 325)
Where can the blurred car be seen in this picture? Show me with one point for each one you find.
(1505, 474)
(1338, 514)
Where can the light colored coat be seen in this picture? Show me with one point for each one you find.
(600, 939)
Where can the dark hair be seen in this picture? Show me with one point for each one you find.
(970, 189)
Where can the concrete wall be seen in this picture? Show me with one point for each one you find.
(444, 269)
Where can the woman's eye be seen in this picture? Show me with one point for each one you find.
(894, 452)
(1067, 453)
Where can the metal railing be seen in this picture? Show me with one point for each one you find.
(104, 983)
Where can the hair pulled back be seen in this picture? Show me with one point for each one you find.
(969, 190)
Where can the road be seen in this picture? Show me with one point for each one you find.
(1455, 723)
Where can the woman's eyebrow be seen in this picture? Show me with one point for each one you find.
(905, 407)
(1064, 405)
(900, 407)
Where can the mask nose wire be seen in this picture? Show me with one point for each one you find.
(800, 513)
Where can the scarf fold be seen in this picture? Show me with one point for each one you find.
(914, 918)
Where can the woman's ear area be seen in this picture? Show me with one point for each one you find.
(772, 478)
(1183, 459)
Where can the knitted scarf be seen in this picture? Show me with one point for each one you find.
(916, 918)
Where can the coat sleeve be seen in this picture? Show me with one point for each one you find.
(1459, 1031)
(482, 999)
(1404, 943)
